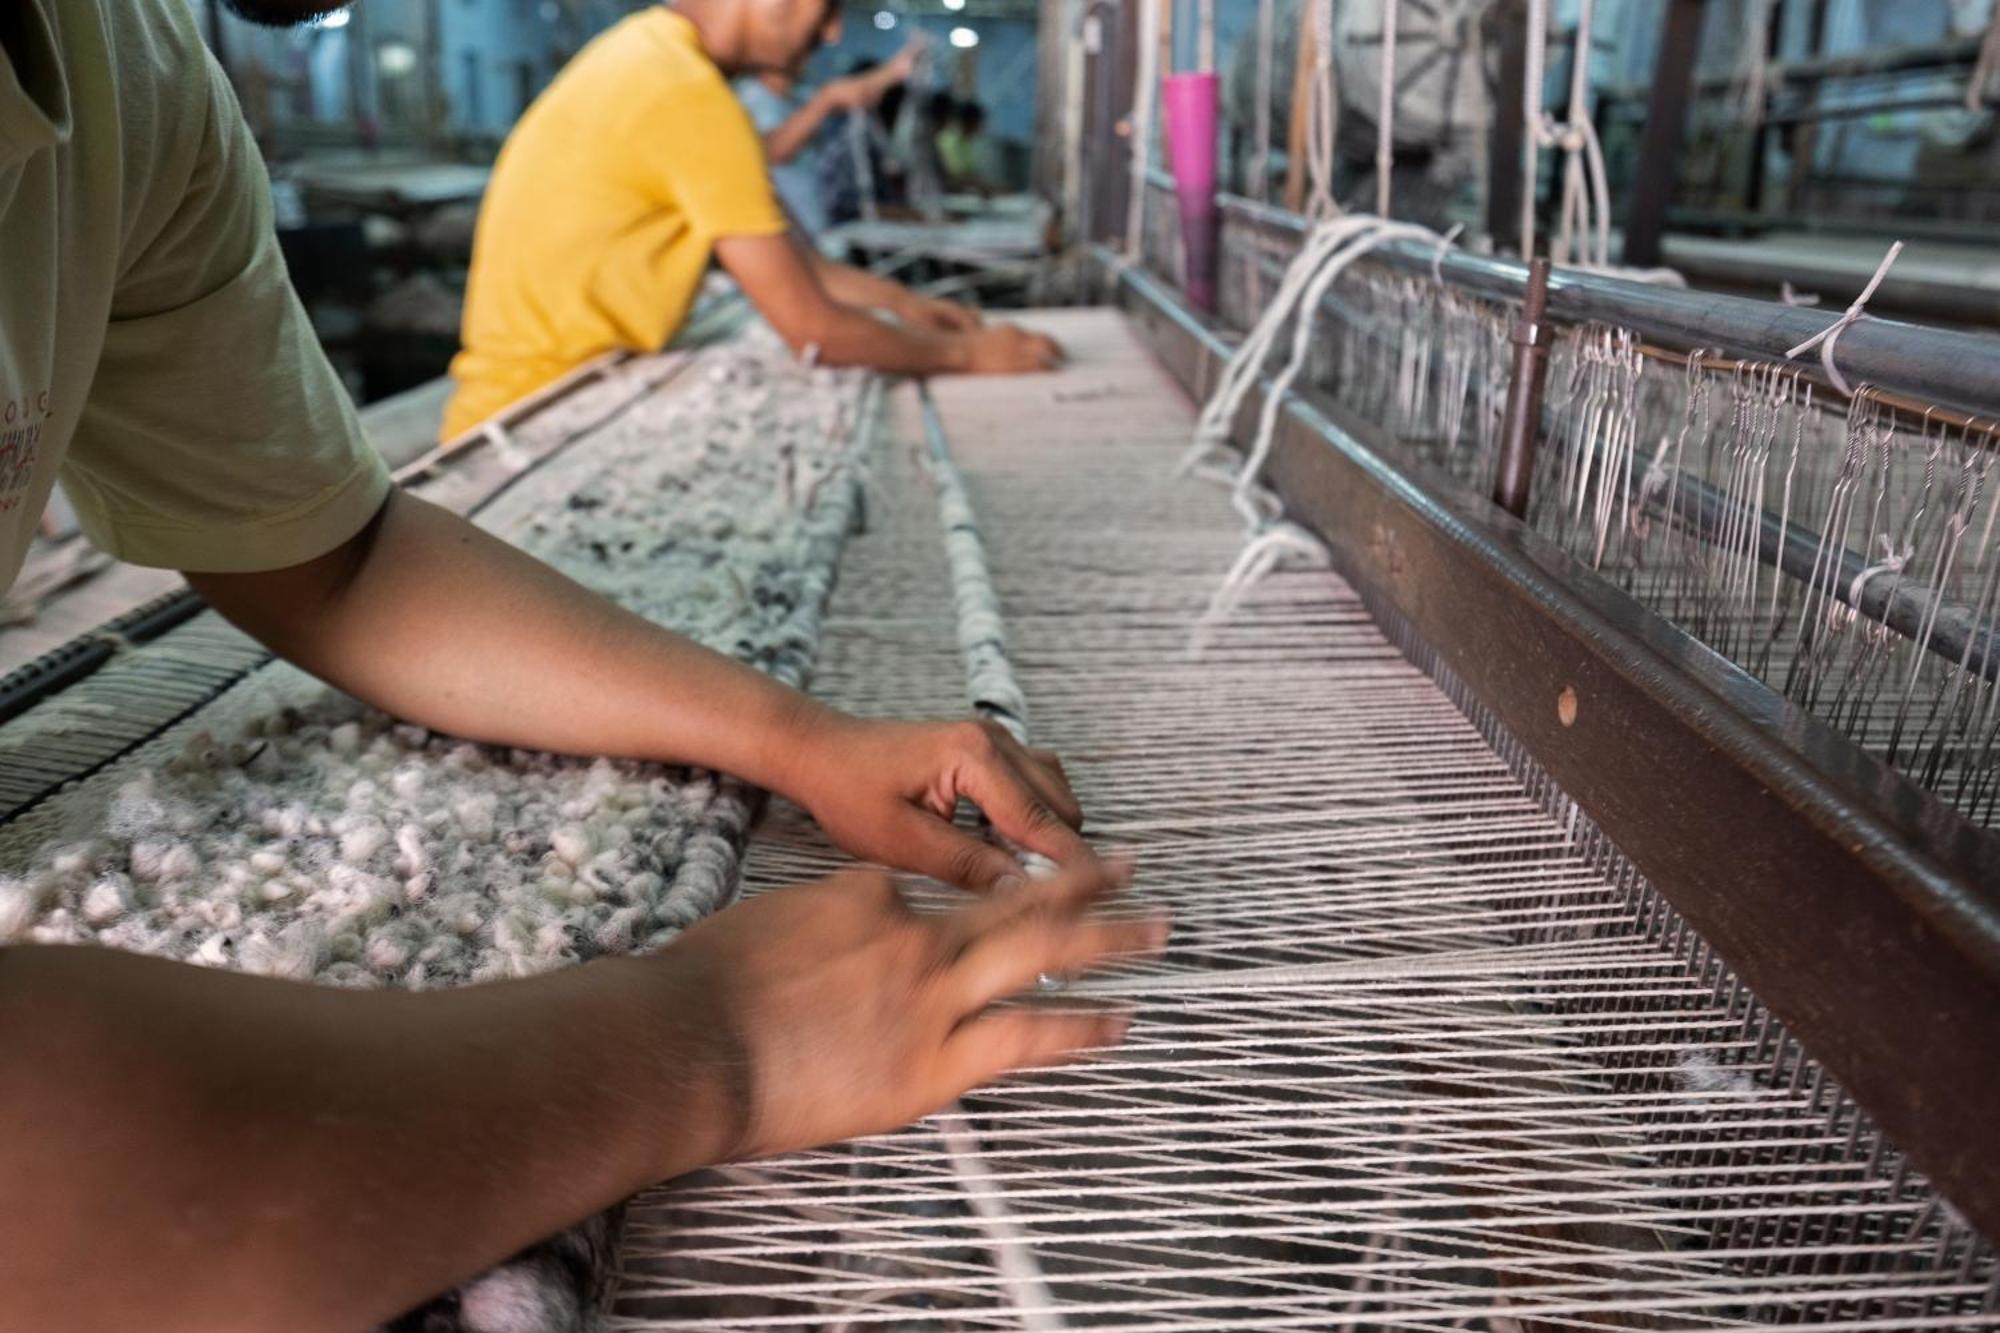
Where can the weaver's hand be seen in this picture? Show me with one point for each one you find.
(1008, 349)
(938, 316)
(843, 1012)
(885, 791)
(858, 92)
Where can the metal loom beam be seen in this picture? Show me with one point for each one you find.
(1944, 366)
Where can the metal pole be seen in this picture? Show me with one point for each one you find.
(1506, 27)
(1660, 142)
(1524, 397)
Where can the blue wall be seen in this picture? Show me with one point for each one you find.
(1006, 61)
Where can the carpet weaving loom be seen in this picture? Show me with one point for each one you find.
(1434, 1047)
(1427, 1051)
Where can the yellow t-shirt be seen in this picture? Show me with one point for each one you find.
(151, 348)
(603, 209)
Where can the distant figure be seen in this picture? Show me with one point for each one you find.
(799, 131)
(635, 169)
(964, 151)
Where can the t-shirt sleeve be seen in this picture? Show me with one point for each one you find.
(715, 170)
(215, 436)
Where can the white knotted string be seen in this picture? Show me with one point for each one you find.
(1443, 248)
(511, 455)
(1651, 487)
(1828, 336)
(1892, 562)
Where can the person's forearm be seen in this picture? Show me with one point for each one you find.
(857, 286)
(428, 617)
(796, 131)
(847, 335)
(298, 1157)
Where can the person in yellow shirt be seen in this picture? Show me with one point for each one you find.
(633, 169)
(187, 1149)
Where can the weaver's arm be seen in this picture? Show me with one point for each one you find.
(788, 289)
(426, 616)
(187, 1149)
(858, 287)
(855, 92)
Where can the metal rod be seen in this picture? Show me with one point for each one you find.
(1948, 367)
(1506, 25)
(1666, 123)
(1524, 397)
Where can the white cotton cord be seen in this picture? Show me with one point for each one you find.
(1385, 112)
(1366, 234)
(1263, 554)
(511, 456)
(1651, 486)
(1828, 336)
(1790, 295)
(1326, 253)
(1584, 216)
(1323, 117)
(1893, 561)
(1443, 248)
(1144, 91)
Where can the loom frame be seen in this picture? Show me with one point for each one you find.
(1890, 976)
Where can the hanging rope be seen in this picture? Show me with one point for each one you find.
(1583, 221)
(1385, 112)
(1142, 125)
(1323, 117)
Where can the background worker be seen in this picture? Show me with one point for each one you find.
(633, 169)
(799, 130)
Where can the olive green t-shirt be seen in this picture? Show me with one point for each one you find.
(152, 351)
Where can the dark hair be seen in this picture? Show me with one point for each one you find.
(891, 105)
(971, 115)
(942, 106)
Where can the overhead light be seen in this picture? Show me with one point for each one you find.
(336, 19)
(884, 20)
(396, 57)
(964, 38)
(954, 5)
